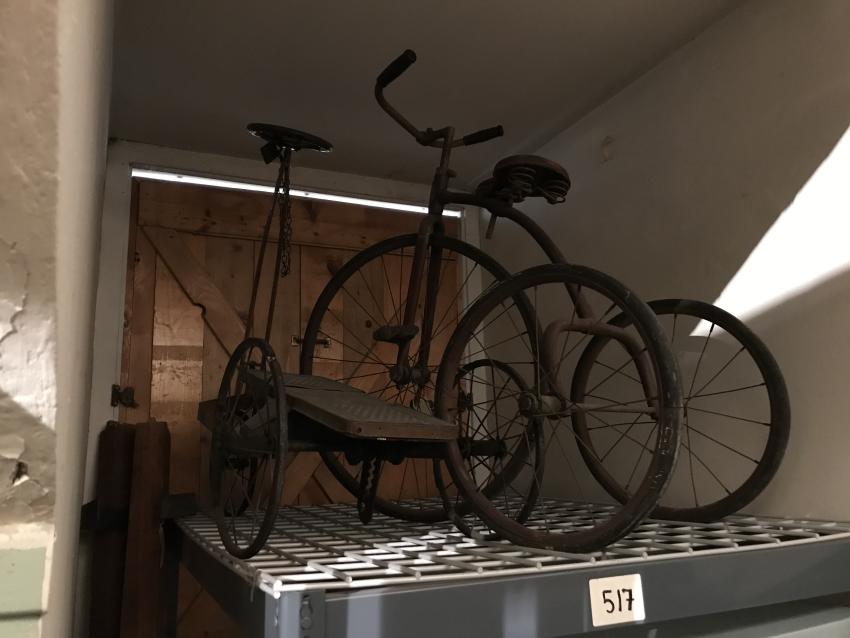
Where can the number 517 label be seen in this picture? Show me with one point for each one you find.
(617, 599)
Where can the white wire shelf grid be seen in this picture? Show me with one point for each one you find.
(327, 548)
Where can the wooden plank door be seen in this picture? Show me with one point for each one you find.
(193, 251)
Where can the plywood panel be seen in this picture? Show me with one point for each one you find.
(228, 263)
(177, 359)
(138, 329)
(317, 267)
(177, 253)
(299, 471)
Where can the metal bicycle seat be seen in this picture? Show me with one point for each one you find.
(520, 176)
(281, 137)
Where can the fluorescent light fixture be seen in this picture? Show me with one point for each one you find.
(167, 176)
(806, 246)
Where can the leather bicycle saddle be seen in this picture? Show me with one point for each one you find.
(520, 176)
(281, 137)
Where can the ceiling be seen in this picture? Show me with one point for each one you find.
(191, 75)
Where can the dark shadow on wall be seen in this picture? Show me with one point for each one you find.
(677, 178)
(690, 246)
(27, 466)
(694, 246)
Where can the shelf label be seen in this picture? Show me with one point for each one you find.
(617, 599)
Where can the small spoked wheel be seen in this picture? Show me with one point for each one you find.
(736, 414)
(498, 443)
(248, 448)
(571, 305)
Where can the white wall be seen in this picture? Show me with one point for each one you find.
(29, 87)
(85, 52)
(677, 178)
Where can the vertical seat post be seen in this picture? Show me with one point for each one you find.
(282, 173)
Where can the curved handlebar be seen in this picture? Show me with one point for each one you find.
(484, 135)
(428, 137)
(396, 68)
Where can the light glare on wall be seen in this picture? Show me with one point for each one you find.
(806, 246)
(166, 176)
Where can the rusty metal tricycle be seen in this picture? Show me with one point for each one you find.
(437, 386)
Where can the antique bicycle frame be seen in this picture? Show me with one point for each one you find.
(440, 197)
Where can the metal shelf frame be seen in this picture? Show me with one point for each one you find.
(325, 575)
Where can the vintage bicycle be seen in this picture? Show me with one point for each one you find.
(426, 361)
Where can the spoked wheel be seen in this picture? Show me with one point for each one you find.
(369, 292)
(573, 512)
(248, 448)
(736, 417)
(497, 442)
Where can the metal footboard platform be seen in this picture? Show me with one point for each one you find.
(350, 412)
(323, 573)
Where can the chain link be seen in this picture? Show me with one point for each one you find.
(286, 231)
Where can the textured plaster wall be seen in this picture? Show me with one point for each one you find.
(54, 62)
(676, 180)
(28, 195)
(29, 103)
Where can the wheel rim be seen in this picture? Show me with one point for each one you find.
(370, 288)
(736, 419)
(248, 446)
(566, 475)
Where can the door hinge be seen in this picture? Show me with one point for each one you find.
(123, 396)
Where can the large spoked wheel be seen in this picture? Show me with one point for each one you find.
(248, 448)
(574, 513)
(736, 417)
(368, 292)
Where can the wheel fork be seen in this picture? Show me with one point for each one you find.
(551, 364)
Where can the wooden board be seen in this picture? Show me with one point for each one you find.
(218, 312)
(229, 265)
(220, 212)
(114, 472)
(142, 610)
(138, 331)
(177, 359)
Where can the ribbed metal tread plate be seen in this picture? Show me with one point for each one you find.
(355, 413)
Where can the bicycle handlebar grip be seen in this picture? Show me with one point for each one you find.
(396, 68)
(483, 135)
